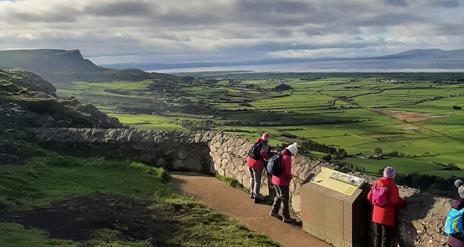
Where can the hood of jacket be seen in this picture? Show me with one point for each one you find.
(383, 181)
(286, 152)
(458, 204)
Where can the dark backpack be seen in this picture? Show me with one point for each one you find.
(273, 166)
(254, 152)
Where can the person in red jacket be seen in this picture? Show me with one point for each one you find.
(282, 183)
(384, 216)
(255, 166)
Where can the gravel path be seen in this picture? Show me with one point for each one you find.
(236, 204)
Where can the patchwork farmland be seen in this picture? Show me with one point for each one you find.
(361, 121)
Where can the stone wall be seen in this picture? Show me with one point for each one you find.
(171, 150)
(420, 223)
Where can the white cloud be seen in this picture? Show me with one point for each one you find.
(185, 30)
(304, 53)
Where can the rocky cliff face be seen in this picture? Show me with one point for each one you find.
(420, 224)
(27, 100)
(27, 80)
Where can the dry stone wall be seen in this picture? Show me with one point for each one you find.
(420, 223)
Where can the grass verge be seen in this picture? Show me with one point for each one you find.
(56, 200)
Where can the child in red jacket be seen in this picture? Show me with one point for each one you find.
(385, 199)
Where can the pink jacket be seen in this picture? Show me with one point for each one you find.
(286, 166)
(263, 153)
(386, 215)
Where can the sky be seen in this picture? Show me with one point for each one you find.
(181, 31)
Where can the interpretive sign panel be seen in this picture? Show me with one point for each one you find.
(334, 208)
(338, 181)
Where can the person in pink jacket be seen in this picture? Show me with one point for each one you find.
(282, 183)
(256, 166)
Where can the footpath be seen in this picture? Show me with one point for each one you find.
(237, 205)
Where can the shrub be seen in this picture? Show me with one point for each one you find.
(327, 158)
(154, 171)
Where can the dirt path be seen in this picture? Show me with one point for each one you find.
(236, 204)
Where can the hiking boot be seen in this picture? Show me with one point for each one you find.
(257, 199)
(252, 196)
(274, 214)
(288, 220)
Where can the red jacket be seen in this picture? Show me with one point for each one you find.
(286, 174)
(263, 153)
(386, 215)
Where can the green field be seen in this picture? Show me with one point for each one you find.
(344, 111)
(145, 121)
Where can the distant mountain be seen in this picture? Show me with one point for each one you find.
(63, 66)
(427, 53)
(412, 59)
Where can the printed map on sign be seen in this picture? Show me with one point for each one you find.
(338, 181)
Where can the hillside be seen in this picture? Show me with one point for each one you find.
(64, 66)
(28, 80)
(27, 100)
(52, 195)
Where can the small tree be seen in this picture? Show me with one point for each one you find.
(327, 158)
(378, 150)
(341, 154)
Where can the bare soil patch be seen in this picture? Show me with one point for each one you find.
(409, 117)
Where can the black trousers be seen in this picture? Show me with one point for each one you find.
(383, 235)
(282, 197)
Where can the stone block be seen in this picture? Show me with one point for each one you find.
(178, 164)
(220, 171)
(226, 156)
(246, 181)
(296, 203)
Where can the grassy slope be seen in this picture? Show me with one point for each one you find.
(49, 178)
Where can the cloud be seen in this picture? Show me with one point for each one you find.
(120, 8)
(111, 31)
(269, 7)
(397, 2)
(448, 3)
(304, 53)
